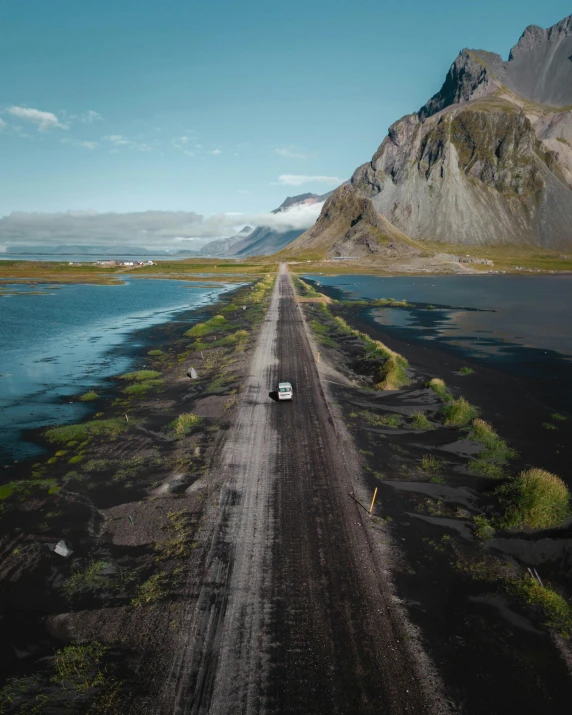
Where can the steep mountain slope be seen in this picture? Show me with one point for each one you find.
(265, 240)
(488, 159)
(349, 225)
(220, 246)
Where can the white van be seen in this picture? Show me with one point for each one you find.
(284, 391)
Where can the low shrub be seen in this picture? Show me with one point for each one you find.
(466, 371)
(155, 353)
(89, 396)
(458, 413)
(536, 498)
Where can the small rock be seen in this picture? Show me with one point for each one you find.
(63, 549)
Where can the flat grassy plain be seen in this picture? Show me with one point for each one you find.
(199, 270)
(508, 259)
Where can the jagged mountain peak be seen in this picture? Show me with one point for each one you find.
(534, 36)
(295, 200)
(487, 160)
(539, 69)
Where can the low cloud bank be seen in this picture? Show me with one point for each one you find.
(165, 230)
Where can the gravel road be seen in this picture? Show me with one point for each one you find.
(293, 613)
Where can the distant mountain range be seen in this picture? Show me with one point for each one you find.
(487, 160)
(264, 240)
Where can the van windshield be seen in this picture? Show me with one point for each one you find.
(284, 389)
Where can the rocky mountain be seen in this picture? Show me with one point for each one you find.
(488, 159)
(265, 240)
(349, 225)
(221, 246)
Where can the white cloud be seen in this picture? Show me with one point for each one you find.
(244, 191)
(2, 124)
(43, 120)
(119, 140)
(292, 152)
(299, 216)
(199, 146)
(91, 116)
(180, 142)
(216, 152)
(147, 229)
(78, 142)
(189, 153)
(299, 179)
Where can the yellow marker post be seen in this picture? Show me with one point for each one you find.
(373, 500)
(318, 357)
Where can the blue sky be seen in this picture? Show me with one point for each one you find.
(202, 106)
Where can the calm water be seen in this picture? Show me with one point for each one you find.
(58, 341)
(518, 323)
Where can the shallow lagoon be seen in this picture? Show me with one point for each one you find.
(521, 324)
(57, 341)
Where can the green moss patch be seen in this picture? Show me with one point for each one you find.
(141, 375)
(75, 433)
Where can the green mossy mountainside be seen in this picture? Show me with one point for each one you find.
(486, 162)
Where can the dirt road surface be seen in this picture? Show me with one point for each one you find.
(293, 613)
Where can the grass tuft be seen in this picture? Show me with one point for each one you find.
(466, 371)
(495, 452)
(420, 421)
(483, 528)
(557, 611)
(140, 389)
(458, 413)
(89, 396)
(537, 499)
(154, 589)
(185, 423)
(75, 433)
(393, 421)
(209, 326)
(141, 375)
(430, 463)
(439, 388)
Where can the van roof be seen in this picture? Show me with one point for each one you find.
(284, 384)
